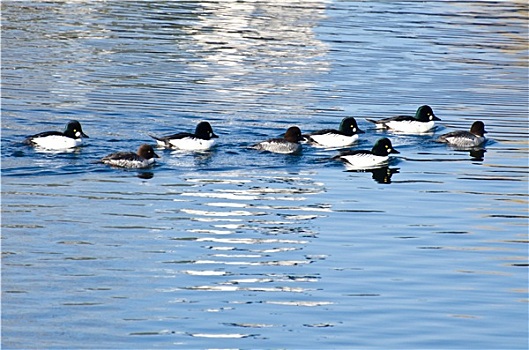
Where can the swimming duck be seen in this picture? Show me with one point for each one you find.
(71, 137)
(287, 145)
(423, 121)
(143, 158)
(346, 135)
(364, 159)
(466, 139)
(201, 140)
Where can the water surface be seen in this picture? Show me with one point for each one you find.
(238, 249)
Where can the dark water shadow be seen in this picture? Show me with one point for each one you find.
(381, 175)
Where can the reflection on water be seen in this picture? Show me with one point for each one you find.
(381, 175)
(146, 175)
(231, 34)
(263, 250)
(477, 154)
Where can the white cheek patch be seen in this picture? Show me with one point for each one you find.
(78, 134)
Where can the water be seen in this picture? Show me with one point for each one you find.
(237, 249)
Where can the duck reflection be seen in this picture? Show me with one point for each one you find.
(184, 158)
(146, 175)
(381, 175)
(477, 154)
(203, 159)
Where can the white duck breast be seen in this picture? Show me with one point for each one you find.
(411, 126)
(56, 142)
(363, 161)
(333, 140)
(189, 143)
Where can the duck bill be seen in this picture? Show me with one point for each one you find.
(435, 118)
(360, 131)
(154, 155)
(214, 136)
(84, 135)
(394, 151)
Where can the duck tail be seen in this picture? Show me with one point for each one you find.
(155, 137)
(379, 124)
(160, 141)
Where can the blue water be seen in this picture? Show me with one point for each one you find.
(238, 249)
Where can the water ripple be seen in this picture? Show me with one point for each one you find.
(234, 248)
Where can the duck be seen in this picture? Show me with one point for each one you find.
(203, 139)
(71, 137)
(143, 158)
(288, 144)
(422, 122)
(365, 159)
(346, 135)
(465, 139)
